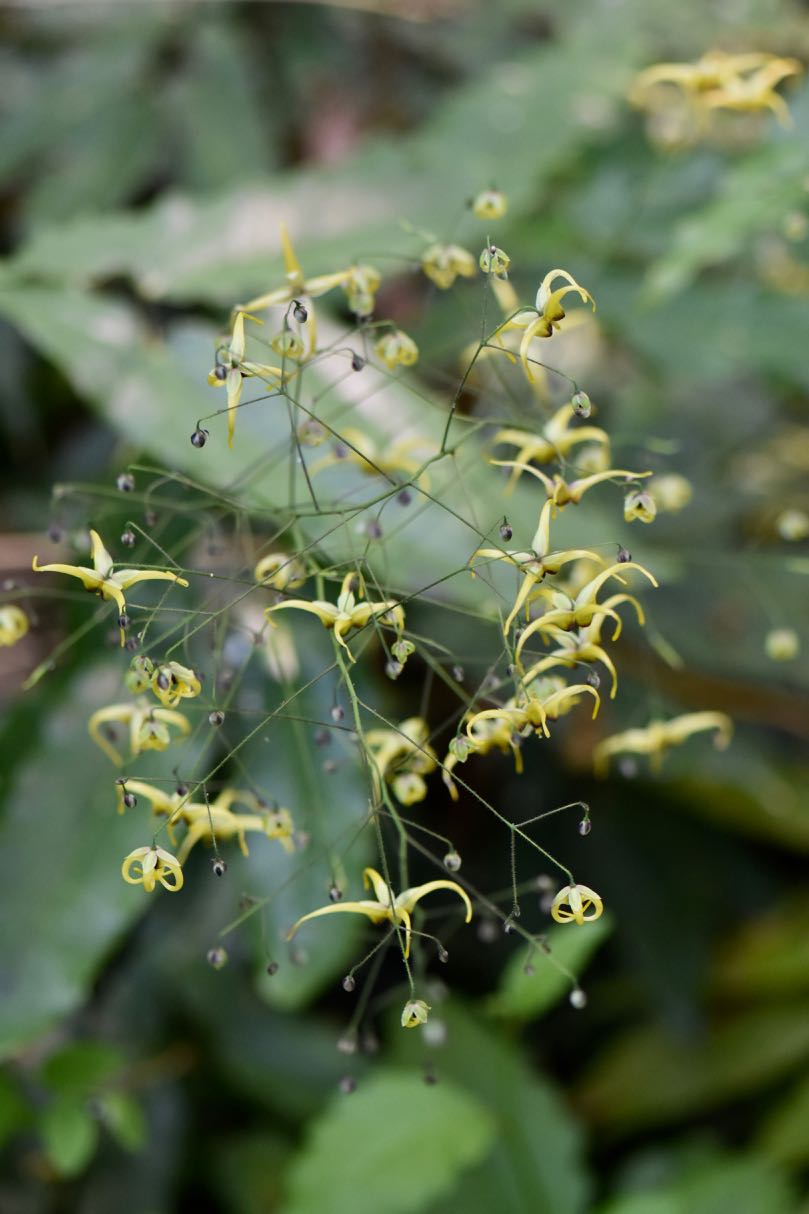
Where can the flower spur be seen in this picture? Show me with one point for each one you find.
(231, 370)
(555, 440)
(542, 700)
(567, 613)
(541, 320)
(396, 909)
(103, 581)
(347, 614)
(148, 727)
(374, 459)
(659, 736)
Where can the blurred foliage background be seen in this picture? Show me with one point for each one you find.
(149, 152)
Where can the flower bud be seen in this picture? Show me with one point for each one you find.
(782, 644)
(639, 505)
(582, 405)
(415, 1013)
(489, 204)
(494, 261)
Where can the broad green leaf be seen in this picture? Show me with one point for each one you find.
(746, 1185)
(81, 1068)
(394, 1144)
(123, 1117)
(70, 1135)
(63, 894)
(15, 1113)
(537, 1165)
(733, 1058)
(525, 996)
(784, 1134)
(769, 957)
(247, 1170)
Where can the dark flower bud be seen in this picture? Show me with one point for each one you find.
(272, 968)
(349, 983)
(506, 531)
(218, 866)
(128, 538)
(125, 482)
(300, 313)
(216, 718)
(357, 362)
(199, 438)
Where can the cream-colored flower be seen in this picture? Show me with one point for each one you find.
(13, 624)
(577, 904)
(659, 736)
(147, 865)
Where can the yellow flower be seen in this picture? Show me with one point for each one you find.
(641, 506)
(152, 864)
(172, 682)
(671, 492)
(576, 904)
(415, 1013)
(397, 349)
(148, 727)
(543, 700)
(659, 736)
(443, 263)
(494, 260)
(755, 91)
(13, 624)
(102, 581)
(562, 492)
(231, 370)
(575, 648)
(375, 459)
(402, 757)
(287, 344)
(792, 525)
(538, 561)
(347, 614)
(490, 204)
(361, 287)
(396, 909)
(554, 441)
(280, 571)
(541, 320)
(782, 644)
(216, 820)
(567, 613)
(357, 281)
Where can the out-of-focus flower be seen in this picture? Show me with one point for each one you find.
(792, 525)
(13, 624)
(659, 736)
(671, 492)
(489, 204)
(148, 727)
(280, 571)
(576, 904)
(443, 263)
(101, 579)
(172, 682)
(541, 701)
(494, 260)
(639, 505)
(553, 441)
(392, 460)
(396, 349)
(395, 908)
(782, 644)
(402, 757)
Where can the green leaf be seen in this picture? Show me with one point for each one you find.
(81, 1068)
(734, 1058)
(537, 1165)
(64, 892)
(393, 1145)
(784, 1134)
(70, 1136)
(748, 1185)
(769, 957)
(525, 996)
(124, 1118)
(15, 1113)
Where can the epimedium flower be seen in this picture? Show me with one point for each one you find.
(443, 263)
(396, 349)
(415, 1013)
(13, 624)
(104, 580)
(756, 90)
(581, 647)
(489, 204)
(349, 612)
(576, 904)
(639, 505)
(147, 865)
(148, 727)
(172, 682)
(541, 701)
(231, 369)
(671, 492)
(548, 313)
(553, 441)
(536, 562)
(280, 571)
(495, 261)
(376, 459)
(360, 283)
(659, 736)
(402, 757)
(387, 906)
(217, 821)
(483, 735)
(782, 644)
(567, 613)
